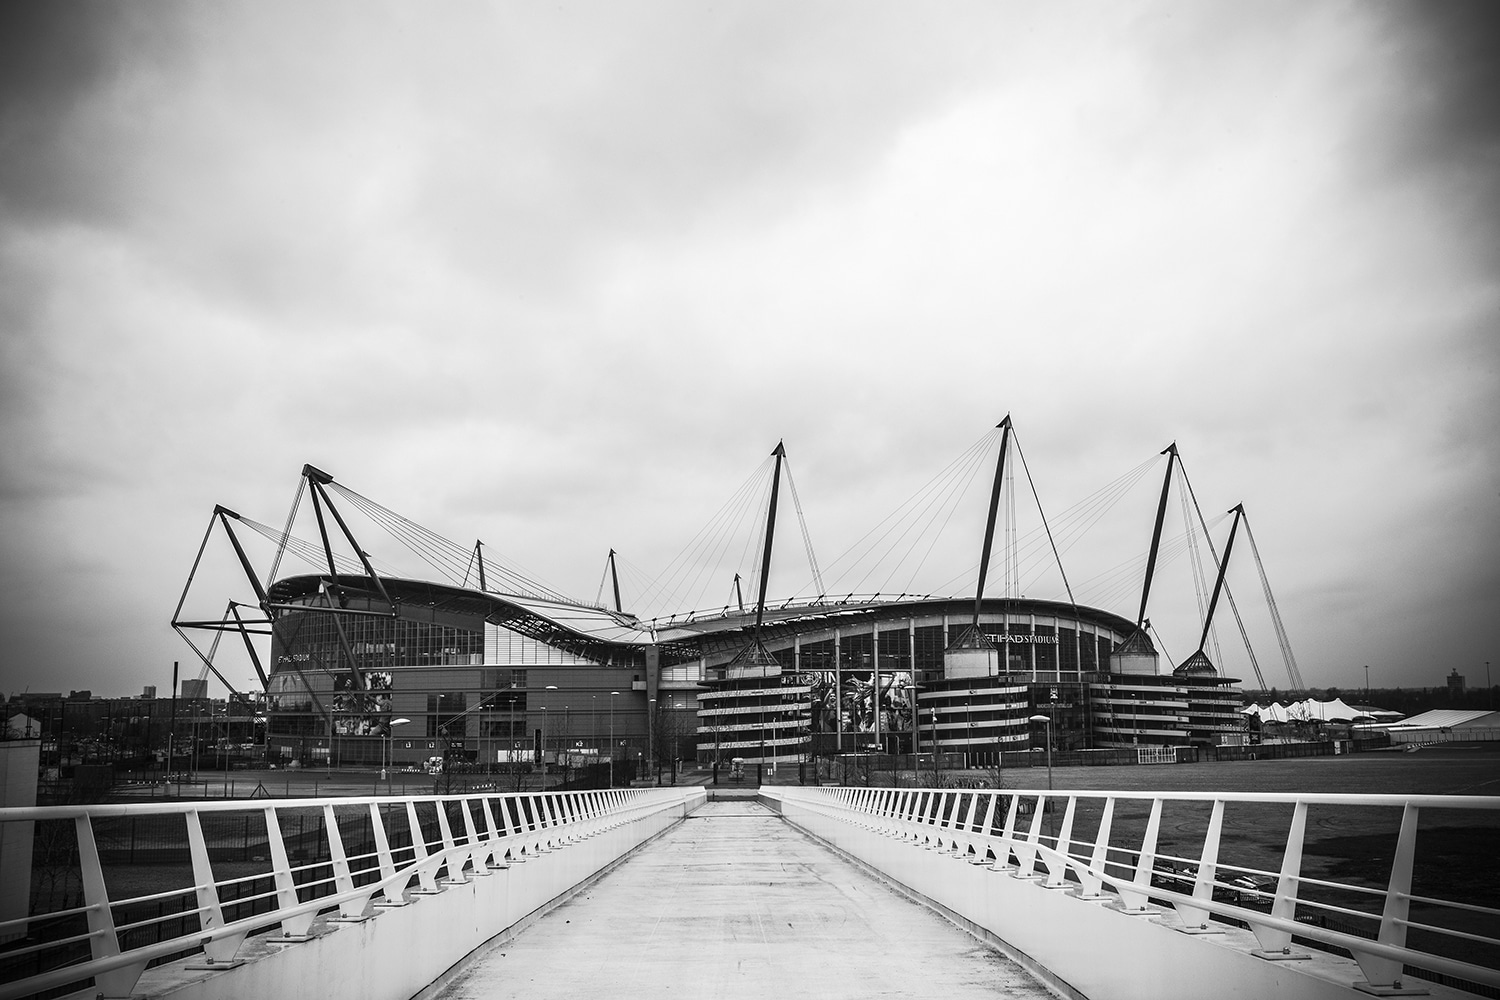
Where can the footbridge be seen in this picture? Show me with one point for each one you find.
(782, 891)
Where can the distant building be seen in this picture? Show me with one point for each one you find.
(22, 726)
(195, 688)
(1455, 682)
(1446, 726)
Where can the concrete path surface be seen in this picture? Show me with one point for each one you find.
(733, 902)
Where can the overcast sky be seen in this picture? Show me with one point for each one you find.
(560, 276)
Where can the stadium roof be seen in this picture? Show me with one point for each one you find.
(583, 628)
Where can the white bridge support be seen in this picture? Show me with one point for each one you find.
(382, 925)
(1096, 919)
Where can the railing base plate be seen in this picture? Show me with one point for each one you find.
(1391, 991)
(210, 966)
(1281, 956)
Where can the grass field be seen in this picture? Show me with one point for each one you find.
(1451, 769)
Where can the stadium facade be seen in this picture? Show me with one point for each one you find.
(492, 678)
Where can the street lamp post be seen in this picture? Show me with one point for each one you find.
(612, 696)
(968, 725)
(651, 739)
(549, 687)
(389, 736)
(1047, 721)
(935, 781)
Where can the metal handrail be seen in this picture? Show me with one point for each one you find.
(949, 820)
(510, 826)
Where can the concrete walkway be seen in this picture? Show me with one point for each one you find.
(733, 902)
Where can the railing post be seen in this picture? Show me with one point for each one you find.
(1057, 862)
(1195, 918)
(962, 839)
(219, 952)
(426, 872)
(515, 828)
(351, 910)
(1008, 836)
(958, 820)
(453, 861)
(1385, 973)
(495, 857)
(979, 833)
(1274, 942)
(552, 812)
(923, 817)
(394, 895)
(944, 812)
(103, 941)
(1133, 900)
(534, 825)
(1098, 862)
(478, 849)
(881, 811)
(1026, 850)
(293, 928)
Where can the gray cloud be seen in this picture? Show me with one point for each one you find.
(561, 277)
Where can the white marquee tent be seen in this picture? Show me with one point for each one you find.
(1307, 710)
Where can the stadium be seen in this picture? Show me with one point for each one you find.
(487, 666)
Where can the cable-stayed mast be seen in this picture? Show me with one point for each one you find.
(1199, 660)
(989, 524)
(973, 654)
(1161, 513)
(765, 561)
(753, 685)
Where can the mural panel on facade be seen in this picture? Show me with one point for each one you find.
(361, 713)
(851, 706)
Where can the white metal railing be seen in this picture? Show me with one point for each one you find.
(1108, 846)
(402, 846)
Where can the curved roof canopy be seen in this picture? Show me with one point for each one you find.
(600, 633)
